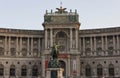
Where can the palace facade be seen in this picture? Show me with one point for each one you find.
(91, 53)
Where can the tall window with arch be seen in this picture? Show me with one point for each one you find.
(12, 70)
(88, 70)
(111, 70)
(61, 39)
(99, 70)
(24, 70)
(1, 70)
(35, 70)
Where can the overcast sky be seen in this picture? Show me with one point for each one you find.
(28, 14)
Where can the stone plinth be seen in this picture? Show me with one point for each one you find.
(54, 71)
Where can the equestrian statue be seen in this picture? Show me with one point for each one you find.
(55, 52)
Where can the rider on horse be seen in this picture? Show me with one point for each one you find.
(54, 52)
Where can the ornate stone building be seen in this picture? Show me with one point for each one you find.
(91, 53)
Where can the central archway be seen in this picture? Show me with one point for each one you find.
(63, 65)
(61, 39)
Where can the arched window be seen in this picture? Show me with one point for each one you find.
(61, 39)
(88, 70)
(1, 70)
(99, 70)
(12, 70)
(35, 70)
(24, 70)
(111, 70)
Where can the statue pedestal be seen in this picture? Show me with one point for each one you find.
(54, 73)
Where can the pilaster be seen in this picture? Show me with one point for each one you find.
(76, 38)
(91, 43)
(6, 45)
(71, 38)
(17, 46)
(106, 43)
(28, 45)
(102, 42)
(9, 44)
(83, 44)
(95, 43)
(51, 37)
(32, 46)
(20, 45)
(45, 38)
(39, 47)
(118, 43)
(78, 65)
(69, 70)
(43, 66)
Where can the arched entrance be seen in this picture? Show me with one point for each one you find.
(63, 65)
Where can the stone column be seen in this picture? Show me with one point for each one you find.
(9, 44)
(20, 49)
(45, 38)
(76, 38)
(71, 38)
(69, 65)
(114, 46)
(80, 48)
(106, 46)
(51, 37)
(6, 45)
(83, 44)
(91, 43)
(102, 43)
(17, 50)
(39, 47)
(83, 49)
(106, 43)
(43, 66)
(31, 46)
(28, 46)
(114, 42)
(118, 43)
(95, 43)
(78, 66)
